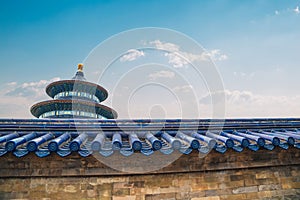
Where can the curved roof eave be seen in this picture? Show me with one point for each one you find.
(80, 105)
(68, 85)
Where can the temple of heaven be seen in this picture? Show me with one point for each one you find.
(75, 98)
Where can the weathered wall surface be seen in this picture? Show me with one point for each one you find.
(247, 175)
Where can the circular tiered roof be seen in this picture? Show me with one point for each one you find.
(75, 98)
(82, 86)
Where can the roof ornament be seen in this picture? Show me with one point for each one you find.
(79, 74)
(80, 67)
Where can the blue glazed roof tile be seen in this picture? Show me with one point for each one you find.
(45, 137)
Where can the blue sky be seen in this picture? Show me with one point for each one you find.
(42, 41)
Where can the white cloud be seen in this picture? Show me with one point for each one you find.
(244, 76)
(16, 99)
(179, 58)
(161, 74)
(11, 84)
(15, 107)
(30, 89)
(288, 11)
(183, 88)
(131, 55)
(175, 60)
(237, 104)
(165, 46)
(247, 104)
(238, 97)
(296, 10)
(214, 54)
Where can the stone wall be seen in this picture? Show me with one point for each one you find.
(246, 175)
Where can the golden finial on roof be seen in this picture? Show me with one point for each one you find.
(80, 67)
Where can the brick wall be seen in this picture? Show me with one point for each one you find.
(247, 175)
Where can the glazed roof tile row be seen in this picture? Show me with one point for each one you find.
(106, 137)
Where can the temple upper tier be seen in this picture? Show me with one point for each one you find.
(74, 98)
